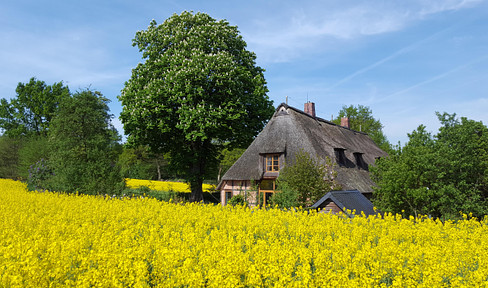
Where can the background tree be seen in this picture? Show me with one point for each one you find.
(9, 157)
(139, 163)
(33, 148)
(84, 146)
(437, 175)
(307, 178)
(227, 159)
(33, 108)
(25, 119)
(361, 119)
(403, 178)
(198, 88)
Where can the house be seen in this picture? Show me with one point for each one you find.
(345, 202)
(289, 131)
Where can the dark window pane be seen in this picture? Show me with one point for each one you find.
(266, 185)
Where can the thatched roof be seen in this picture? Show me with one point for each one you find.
(290, 130)
(347, 200)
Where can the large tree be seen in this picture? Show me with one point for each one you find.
(84, 146)
(33, 109)
(437, 175)
(198, 88)
(361, 119)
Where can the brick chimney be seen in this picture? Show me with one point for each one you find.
(345, 122)
(309, 108)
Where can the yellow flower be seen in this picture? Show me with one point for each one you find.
(59, 240)
(164, 185)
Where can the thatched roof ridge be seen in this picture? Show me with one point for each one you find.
(291, 130)
(316, 118)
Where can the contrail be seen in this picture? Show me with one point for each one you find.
(440, 76)
(388, 58)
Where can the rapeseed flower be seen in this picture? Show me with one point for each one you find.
(60, 240)
(165, 185)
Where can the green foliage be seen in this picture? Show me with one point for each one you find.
(308, 178)
(34, 148)
(17, 154)
(26, 119)
(39, 176)
(228, 158)
(286, 198)
(9, 157)
(437, 175)
(166, 196)
(361, 119)
(139, 163)
(198, 88)
(238, 200)
(84, 146)
(33, 109)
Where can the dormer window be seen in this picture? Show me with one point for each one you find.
(340, 156)
(272, 163)
(360, 161)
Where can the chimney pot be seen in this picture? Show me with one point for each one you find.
(310, 108)
(345, 122)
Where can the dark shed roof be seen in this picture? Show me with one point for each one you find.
(291, 130)
(350, 200)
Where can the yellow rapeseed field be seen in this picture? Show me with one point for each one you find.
(164, 185)
(57, 240)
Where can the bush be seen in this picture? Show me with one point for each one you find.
(9, 157)
(238, 200)
(34, 149)
(84, 147)
(286, 198)
(39, 175)
(308, 178)
(145, 191)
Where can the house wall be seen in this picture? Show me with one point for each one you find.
(330, 207)
(231, 188)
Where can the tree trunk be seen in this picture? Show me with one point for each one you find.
(196, 190)
(197, 170)
(159, 169)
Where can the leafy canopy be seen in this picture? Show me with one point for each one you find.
(33, 109)
(198, 88)
(25, 121)
(438, 175)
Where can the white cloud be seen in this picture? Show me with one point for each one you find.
(312, 26)
(436, 6)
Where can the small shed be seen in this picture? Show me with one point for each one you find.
(342, 201)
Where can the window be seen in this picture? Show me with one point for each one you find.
(266, 189)
(267, 198)
(340, 156)
(267, 185)
(228, 195)
(360, 161)
(272, 163)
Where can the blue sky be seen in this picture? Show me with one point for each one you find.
(404, 59)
